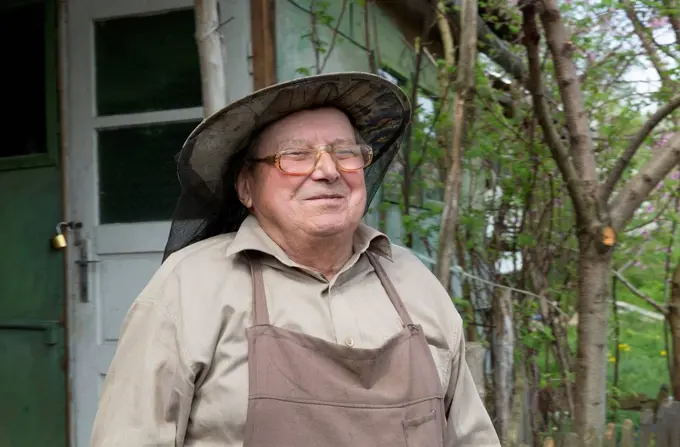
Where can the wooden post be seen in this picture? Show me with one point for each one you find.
(674, 415)
(572, 440)
(210, 55)
(627, 435)
(610, 435)
(262, 32)
(646, 426)
(667, 425)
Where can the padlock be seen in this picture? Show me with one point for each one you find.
(59, 240)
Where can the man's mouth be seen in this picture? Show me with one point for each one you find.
(326, 197)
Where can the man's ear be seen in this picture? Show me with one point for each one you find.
(243, 182)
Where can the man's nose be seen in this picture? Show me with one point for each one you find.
(325, 168)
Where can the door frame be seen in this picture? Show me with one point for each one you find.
(80, 177)
(78, 115)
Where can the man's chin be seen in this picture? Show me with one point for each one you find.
(327, 225)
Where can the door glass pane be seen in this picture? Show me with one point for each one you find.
(22, 46)
(147, 63)
(137, 172)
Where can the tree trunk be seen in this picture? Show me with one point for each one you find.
(466, 287)
(504, 350)
(464, 88)
(209, 44)
(591, 356)
(407, 183)
(519, 426)
(674, 324)
(444, 78)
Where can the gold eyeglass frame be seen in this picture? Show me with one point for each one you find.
(275, 159)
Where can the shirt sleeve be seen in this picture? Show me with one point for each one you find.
(468, 421)
(146, 396)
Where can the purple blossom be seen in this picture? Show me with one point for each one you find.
(675, 175)
(650, 208)
(663, 139)
(658, 22)
(640, 265)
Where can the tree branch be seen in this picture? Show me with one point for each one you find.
(637, 189)
(660, 308)
(647, 42)
(336, 29)
(559, 152)
(645, 130)
(656, 217)
(315, 38)
(489, 43)
(599, 63)
(673, 18)
(633, 258)
(575, 114)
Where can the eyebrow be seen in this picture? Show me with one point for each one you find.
(305, 142)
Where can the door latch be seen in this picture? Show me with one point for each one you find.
(83, 262)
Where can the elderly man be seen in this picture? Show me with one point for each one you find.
(278, 319)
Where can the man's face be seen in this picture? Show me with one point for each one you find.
(325, 202)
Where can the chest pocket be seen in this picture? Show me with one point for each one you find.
(442, 361)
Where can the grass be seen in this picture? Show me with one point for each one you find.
(642, 362)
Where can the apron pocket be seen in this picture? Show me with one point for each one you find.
(421, 431)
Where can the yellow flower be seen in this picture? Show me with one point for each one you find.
(624, 347)
(663, 353)
(612, 359)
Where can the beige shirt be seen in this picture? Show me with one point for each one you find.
(180, 373)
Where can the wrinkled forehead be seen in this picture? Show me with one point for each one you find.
(311, 127)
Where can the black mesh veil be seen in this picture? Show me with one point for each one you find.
(215, 152)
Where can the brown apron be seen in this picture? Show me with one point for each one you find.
(307, 392)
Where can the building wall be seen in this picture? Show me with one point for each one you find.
(395, 59)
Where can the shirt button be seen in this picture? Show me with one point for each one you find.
(349, 342)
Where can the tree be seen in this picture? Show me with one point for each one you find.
(599, 216)
(673, 317)
(463, 95)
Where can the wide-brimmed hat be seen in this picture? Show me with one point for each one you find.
(214, 152)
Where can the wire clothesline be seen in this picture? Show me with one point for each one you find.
(457, 270)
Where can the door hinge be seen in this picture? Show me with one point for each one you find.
(50, 328)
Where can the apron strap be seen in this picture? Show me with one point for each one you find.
(390, 289)
(260, 311)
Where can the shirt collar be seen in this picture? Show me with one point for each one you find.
(251, 236)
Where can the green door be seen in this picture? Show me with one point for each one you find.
(33, 404)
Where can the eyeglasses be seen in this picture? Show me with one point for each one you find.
(303, 161)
